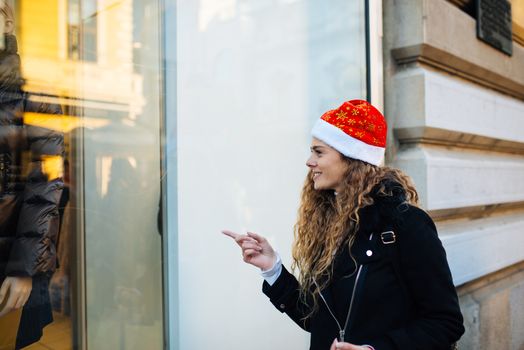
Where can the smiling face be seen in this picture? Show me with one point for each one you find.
(327, 166)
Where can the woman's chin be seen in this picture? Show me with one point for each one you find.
(319, 187)
(323, 188)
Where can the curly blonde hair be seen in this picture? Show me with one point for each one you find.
(326, 222)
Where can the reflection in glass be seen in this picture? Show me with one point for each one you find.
(31, 170)
(88, 104)
(122, 173)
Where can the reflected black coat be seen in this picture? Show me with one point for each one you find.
(28, 197)
(412, 306)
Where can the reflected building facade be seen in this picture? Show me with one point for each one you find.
(99, 62)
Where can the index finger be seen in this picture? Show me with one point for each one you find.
(239, 239)
(231, 234)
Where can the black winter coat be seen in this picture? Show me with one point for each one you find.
(404, 299)
(28, 195)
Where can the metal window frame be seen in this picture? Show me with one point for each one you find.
(169, 173)
(374, 58)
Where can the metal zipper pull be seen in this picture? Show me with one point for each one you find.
(342, 333)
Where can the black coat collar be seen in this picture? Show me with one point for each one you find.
(382, 215)
(385, 210)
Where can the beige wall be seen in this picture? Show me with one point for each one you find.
(455, 107)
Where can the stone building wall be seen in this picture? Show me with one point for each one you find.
(456, 107)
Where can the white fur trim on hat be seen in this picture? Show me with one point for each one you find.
(347, 145)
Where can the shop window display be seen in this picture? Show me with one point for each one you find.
(80, 138)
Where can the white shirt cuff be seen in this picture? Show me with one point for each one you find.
(273, 273)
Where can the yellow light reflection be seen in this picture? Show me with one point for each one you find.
(62, 123)
(53, 167)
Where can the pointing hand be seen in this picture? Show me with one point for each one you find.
(256, 250)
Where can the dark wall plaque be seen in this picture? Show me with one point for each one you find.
(494, 24)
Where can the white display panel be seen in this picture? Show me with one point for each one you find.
(252, 77)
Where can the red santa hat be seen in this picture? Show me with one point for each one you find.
(356, 129)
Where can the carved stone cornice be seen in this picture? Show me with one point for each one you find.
(451, 138)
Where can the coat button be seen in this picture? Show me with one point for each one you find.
(282, 306)
(369, 253)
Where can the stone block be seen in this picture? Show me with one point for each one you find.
(478, 247)
(458, 178)
(516, 300)
(471, 312)
(495, 329)
(446, 109)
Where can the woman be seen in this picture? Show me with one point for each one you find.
(372, 271)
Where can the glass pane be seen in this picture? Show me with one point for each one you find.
(122, 173)
(252, 77)
(88, 111)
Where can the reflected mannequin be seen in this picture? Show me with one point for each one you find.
(30, 188)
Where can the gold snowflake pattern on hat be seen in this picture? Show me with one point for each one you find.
(360, 120)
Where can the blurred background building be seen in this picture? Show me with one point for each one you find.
(182, 118)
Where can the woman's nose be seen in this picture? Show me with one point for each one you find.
(310, 163)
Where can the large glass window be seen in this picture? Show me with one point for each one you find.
(90, 85)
